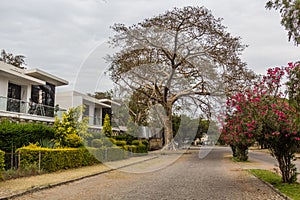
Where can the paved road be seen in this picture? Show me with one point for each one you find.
(213, 177)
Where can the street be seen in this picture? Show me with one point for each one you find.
(213, 177)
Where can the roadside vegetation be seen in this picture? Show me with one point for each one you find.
(290, 190)
(267, 112)
(32, 149)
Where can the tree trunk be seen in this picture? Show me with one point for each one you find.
(287, 167)
(168, 129)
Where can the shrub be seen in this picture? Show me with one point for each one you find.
(130, 148)
(73, 140)
(120, 143)
(142, 148)
(145, 142)
(108, 154)
(14, 135)
(56, 159)
(108, 142)
(97, 143)
(112, 140)
(135, 142)
(107, 129)
(136, 149)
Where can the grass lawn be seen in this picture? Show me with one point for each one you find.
(290, 190)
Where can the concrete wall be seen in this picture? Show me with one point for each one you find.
(3, 92)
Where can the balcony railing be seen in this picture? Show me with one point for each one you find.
(20, 106)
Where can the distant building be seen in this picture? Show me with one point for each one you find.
(28, 94)
(95, 109)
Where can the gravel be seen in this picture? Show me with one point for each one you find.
(213, 177)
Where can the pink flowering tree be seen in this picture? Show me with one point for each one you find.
(262, 113)
(240, 128)
(277, 117)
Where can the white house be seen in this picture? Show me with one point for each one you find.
(95, 109)
(27, 93)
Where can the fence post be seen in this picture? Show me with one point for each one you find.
(19, 160)
(105, 154)
(39, 162)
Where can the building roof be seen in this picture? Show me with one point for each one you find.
(35, 76)
(11, 71)
(49, 78)
(109, 101)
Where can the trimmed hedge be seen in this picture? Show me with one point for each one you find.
(56, 159)
(15, 135)
(2, 154)
(136, 149)
(108, 154)
(120, 143)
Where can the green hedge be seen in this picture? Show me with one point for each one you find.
(15, 135)
(108, 154)
(2, 153)
(136, 149)
(56, 159)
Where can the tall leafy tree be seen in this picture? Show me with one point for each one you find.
(181, 54)
(290, 16)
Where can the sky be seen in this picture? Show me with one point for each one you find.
(68, 38)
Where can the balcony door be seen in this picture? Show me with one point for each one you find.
(13, 97)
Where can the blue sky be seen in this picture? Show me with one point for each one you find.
(67, 37)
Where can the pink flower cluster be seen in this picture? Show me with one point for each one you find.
(261, 111)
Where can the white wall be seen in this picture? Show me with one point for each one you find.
(65, 100)
(3, 92)
(3, 86)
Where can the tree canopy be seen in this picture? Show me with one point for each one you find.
(177, 59)
(290, 16)
(9, 58)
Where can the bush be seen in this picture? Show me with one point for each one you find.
(108, 142)
(136, 149)
(142, 148)
(145, 142)
(14, 135)
(56, 159)
(108, 154)
(112, 140)
(97, 143)
(130, 148)
(120, 143)
(2, 154)
(73, 140)
(135, 142)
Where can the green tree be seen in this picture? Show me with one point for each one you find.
(181, 54)
(290, 16)
(102, 95)
(9, 58)
(107, 129)
(72, 129)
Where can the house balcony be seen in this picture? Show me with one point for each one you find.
(21, 110)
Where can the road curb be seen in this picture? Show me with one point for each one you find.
(40, 188)
(271, 186)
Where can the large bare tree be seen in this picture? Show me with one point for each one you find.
(182, 54)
